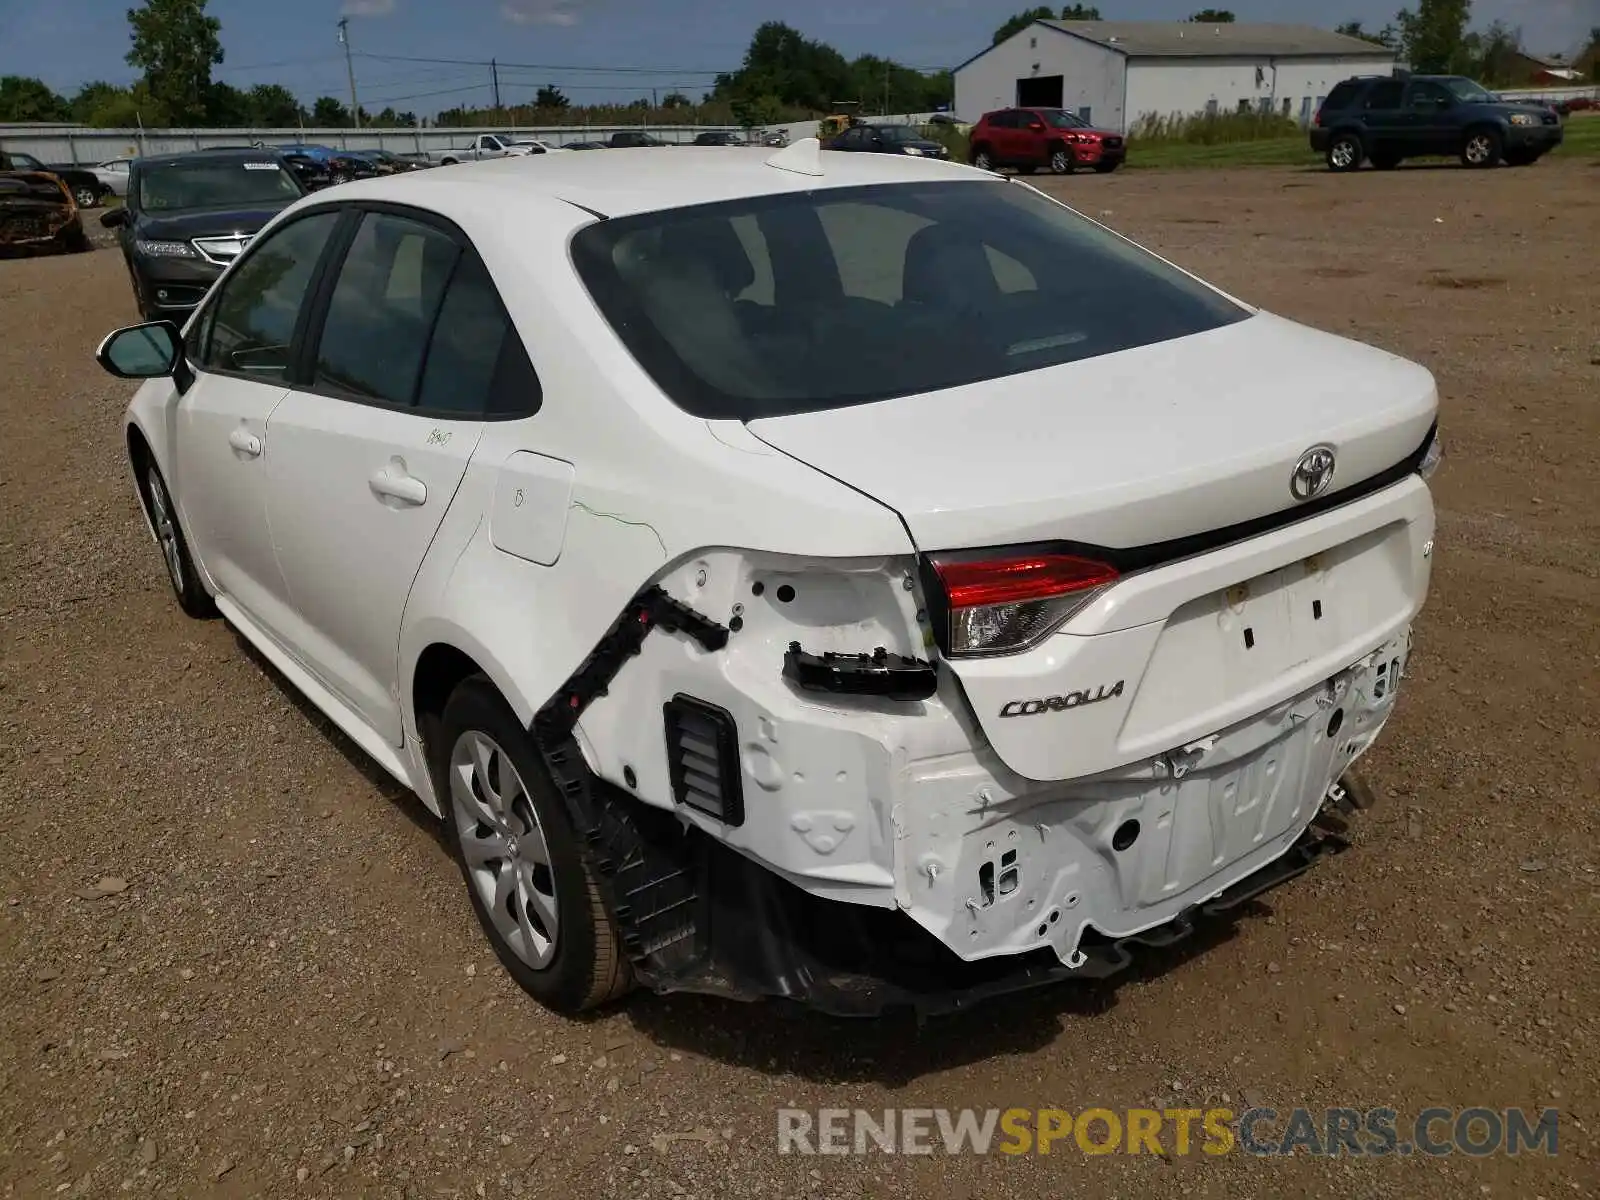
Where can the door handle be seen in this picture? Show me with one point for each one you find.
(245, 442)
(395, 483)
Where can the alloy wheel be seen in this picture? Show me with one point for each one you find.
(504, 847)
(1061, 162)
(982, 161)
(1478, 148)
(166, 527)
(1344, 153)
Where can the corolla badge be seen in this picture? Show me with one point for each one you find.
(1313, 473)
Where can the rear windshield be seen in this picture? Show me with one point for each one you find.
(174, 187)
(813, 300)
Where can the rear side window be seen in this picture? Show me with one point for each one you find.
(1385, 95)
(383, 308)
(1343, 95)
(875, 292)
(477, 365)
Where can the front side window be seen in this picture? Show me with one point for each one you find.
(1469, 92)
(250, 325)
(1430, 97)
(187, 186)
(382, 309)
(862, 294)
(1061, 119)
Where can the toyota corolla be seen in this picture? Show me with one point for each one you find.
(852, 578)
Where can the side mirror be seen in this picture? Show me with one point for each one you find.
(114, 219)
(148, 351)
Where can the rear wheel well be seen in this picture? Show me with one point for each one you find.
(441, 668)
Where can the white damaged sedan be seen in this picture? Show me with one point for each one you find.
(850, 578)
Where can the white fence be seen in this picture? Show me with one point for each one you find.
(81, 144)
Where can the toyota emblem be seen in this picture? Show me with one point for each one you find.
(1312, 474)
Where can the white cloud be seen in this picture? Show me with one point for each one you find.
(367, 8)
(541, 12)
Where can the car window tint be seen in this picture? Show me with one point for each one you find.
(869, 244)
(253, 317)
(879, 291)
(1429, 96)
(477, 365)
(383, 306)
(1343, 95)
(1384, 95)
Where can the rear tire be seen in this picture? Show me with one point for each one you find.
(532, 884)
(1482, 149)
(1345, 153)
(982, 158)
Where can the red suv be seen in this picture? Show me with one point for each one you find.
(1030, 138)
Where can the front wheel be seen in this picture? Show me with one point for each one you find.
(533, 886)
(1061, 162)
(181, 573)
(1345, 153)
(1482, 148)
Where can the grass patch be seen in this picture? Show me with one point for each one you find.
(1582, 137)
(1269, 152)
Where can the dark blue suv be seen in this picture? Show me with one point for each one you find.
(1384, 120)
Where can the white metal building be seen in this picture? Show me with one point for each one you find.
(1114, 72)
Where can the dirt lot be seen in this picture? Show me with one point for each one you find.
(291, 988)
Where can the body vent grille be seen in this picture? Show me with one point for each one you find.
(703, 757)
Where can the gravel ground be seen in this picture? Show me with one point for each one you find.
(237, 962)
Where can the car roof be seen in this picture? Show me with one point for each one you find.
(622, 182)
(225, 155)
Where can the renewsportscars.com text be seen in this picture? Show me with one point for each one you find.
(1364, 1133)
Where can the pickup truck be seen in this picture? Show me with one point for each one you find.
(484, 146)
(626, 139)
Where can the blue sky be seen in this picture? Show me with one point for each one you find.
(673, 43)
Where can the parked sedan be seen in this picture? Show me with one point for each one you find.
(888, 139)
(37, 211)
(188, 216)
(114, 174)
(875, 583)
(86, 187)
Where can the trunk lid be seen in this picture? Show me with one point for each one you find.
(1128, 449)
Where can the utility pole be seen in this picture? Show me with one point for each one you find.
(494, 74)
(350, 70)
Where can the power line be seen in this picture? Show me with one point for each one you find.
(484, 62)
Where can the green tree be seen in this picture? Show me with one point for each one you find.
(754, 111)
(328, 113)
(1020, 21)
(1433, 37)
(1384, 37)
(1212, 16)
(676, 100)
(1495, 54)
(23, 98)
(227, 106)
(273, 106)
(1080, 12)
(127, 108)
(550, 96)
(176, 44)
(91, 98)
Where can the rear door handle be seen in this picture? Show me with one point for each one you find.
(245, 442)
(395, 483)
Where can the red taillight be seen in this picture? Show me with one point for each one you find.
(1002, 605)
(1316, 118)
